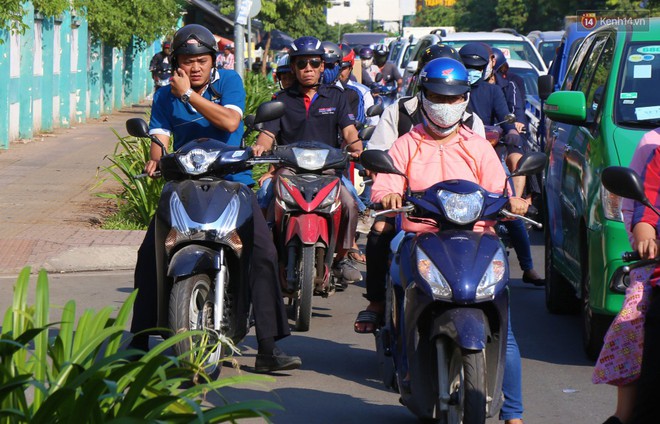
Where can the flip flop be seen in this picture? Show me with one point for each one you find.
(357, 255)
(367, 317)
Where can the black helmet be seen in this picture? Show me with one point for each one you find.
(475, 55)
(380, 56)
(194, 39)
(366, 53)
(445, 76)
(435, 51)
(332, 52)
(500, 59)
(306, 46)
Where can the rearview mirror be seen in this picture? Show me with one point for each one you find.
(624, 182)
(546, 85)
(375, 110)
(137, 127)
(531, 163)
(379, 161)
(366, 133)
(269, 111)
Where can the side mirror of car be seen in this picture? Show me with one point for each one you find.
(546, 86)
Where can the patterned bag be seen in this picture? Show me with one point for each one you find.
(620, 360)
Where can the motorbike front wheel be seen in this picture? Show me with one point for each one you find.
(466, 385)
(191, 308)
(302, 304)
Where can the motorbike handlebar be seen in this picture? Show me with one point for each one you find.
(374, 214)
(145, 175)
(508, 214)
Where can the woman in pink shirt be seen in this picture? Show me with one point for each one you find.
(439, 149)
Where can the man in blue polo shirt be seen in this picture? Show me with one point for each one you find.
(317, 112)
(202, 101)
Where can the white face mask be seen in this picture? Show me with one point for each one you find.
(443, 118)
(488, 71)
(367, 62)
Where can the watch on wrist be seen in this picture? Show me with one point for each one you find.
(185, 97)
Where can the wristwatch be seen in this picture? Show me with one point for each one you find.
(185, 97)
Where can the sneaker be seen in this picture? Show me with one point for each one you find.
(364, 222)
(278, 361)
(347, 271)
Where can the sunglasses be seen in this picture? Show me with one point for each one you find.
(302, 63)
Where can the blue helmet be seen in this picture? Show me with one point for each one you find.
(475, 55)
(366, 53)
(306, 46)
(445, 76)
(499, 58)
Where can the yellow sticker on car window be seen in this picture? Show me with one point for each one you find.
(635, 58)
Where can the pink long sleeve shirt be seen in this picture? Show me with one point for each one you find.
(466, 156)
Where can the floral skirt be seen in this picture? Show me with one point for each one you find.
(620, 360)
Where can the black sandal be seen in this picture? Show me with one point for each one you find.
(367, 317)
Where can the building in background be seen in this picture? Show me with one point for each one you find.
(388, 13)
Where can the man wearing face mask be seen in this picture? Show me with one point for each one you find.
(488, 101)
(388, 70)
(439, 149)
(369, 69)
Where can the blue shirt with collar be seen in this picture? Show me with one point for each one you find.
(488, 102)
(172, 117)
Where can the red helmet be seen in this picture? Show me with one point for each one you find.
(347, 56)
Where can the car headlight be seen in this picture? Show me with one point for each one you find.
(461, 208)
(431, 274)
(310, 159)
(284, 192)
(493, 275)
(222, 230)
(330, 198)
(197, 161)
(611, 205)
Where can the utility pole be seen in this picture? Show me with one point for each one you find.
(239, 44)
(371, 15)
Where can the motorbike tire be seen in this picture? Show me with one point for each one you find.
(302, 304)
(191, 300)
(467, 381)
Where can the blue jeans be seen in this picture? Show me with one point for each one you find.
(512, 383)
(520, 241)
(265, 193)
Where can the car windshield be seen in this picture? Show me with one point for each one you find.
(548, 50)
(512, 49)
(637, 103)
(530, 78)
(395, 47)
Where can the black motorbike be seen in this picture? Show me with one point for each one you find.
(204, 233)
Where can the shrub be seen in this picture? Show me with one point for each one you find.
(82, 375)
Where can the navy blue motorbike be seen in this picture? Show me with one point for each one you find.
(204, 233)
(444, 337)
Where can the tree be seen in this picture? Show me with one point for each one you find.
(511, 14)
(436, 16)
(475, 15)
(115, 22)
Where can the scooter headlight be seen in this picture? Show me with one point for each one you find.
(461, 208)
(431, 274)
(310, 159)
(493, 275)
(197, 161)
(222, 230)
(330, 198)
(284, 193)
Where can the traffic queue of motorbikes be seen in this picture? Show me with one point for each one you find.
(444, 335)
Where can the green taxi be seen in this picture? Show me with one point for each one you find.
(609, 99)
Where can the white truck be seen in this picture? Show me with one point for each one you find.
(420, 31)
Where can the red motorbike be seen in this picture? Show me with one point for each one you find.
(307, 220)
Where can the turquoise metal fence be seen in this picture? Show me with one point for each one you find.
(55, 75)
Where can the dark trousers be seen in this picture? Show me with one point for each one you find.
(268, 309)
(648, 385)
(378, 251)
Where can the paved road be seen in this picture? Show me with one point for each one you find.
(339, 381)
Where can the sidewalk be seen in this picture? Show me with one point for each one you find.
(48, 215)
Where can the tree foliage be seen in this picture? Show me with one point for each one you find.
(511, 14)
(114, 22)
(436, 16)
(475, 15)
